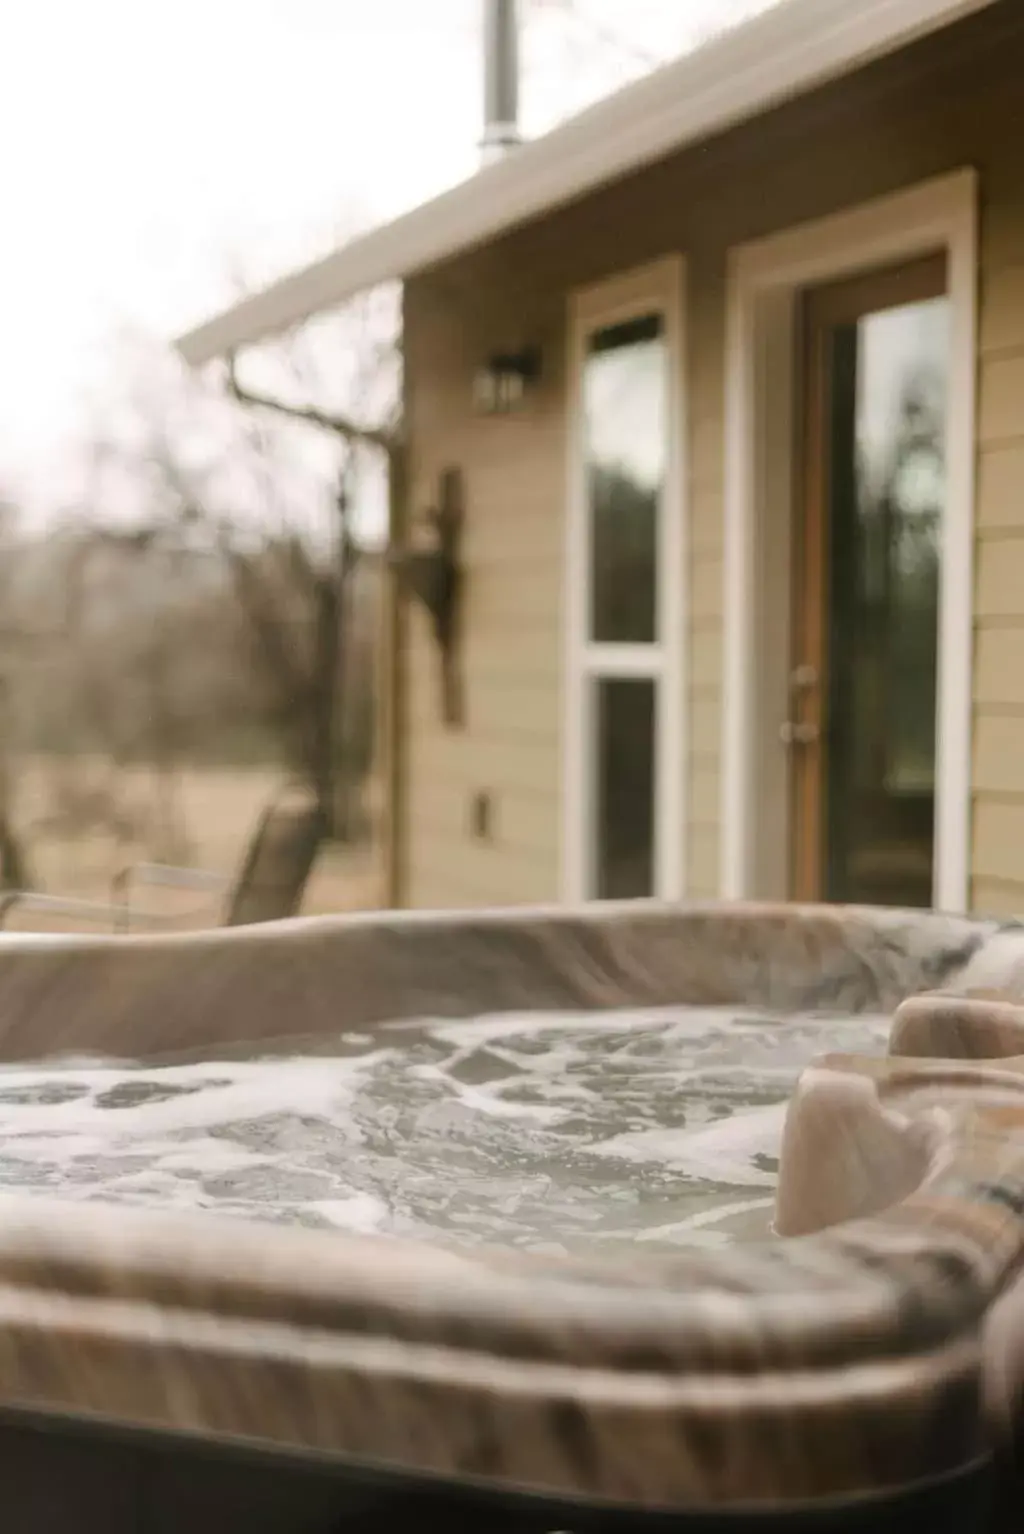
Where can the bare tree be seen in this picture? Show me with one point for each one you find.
(327, 584)
(16, 639)
(266, 470)
(268, 482)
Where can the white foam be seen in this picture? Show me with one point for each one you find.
(728, 1151)
(538, 1130)
(360, 1213)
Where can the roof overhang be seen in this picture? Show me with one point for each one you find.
(781, 53)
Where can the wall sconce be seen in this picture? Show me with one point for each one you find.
(501, 384)
(434, 576)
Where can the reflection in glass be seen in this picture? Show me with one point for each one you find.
(625, 411)
(624, 710)
(888, 375)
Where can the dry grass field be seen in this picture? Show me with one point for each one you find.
(82, 823)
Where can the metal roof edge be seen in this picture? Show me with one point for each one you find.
(782, 52)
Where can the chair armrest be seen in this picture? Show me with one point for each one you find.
(169, 875)
(164, 874)
(67, 905)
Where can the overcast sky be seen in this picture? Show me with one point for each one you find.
(147, 147)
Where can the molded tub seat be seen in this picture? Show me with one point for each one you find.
(839, 1378)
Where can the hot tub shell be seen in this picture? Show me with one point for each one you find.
(835, 1376)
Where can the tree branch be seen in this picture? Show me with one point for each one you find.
(340, 425)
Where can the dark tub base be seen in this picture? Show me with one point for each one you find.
(61, 1479)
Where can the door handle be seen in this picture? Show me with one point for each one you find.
(803, 678)
(795, 733)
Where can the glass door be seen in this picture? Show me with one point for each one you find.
(864, 681)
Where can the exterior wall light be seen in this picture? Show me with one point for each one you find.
(502, 383)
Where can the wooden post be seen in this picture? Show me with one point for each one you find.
(392, 691)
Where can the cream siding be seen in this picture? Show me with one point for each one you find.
(997, 862)
(950, 101)
(513, 480)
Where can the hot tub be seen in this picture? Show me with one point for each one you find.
(370, 1221)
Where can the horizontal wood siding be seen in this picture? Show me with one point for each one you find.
(507, 749)
(997, 862)
(949, 101)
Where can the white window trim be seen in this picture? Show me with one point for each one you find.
(765, 278)
(659, 288)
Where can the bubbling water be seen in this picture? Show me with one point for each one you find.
(554, 1132)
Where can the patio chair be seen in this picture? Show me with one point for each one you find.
(268, 886)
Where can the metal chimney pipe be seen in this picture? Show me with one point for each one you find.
(501, 79)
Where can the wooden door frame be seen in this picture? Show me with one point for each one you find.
(764, 279)
(822, 309)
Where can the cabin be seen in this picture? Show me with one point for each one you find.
(714, 445)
